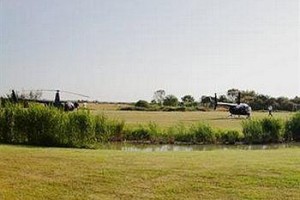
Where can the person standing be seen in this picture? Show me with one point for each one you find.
(270, 109)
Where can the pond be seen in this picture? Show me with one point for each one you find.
(174, 147)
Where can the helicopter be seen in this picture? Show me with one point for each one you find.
(66, 105)
(234, 108)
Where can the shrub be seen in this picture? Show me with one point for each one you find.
(139, 134)
(102, 131)
(230, 137)
(173, 109)
(116, 130)
(292, 128)
(203, 133)
(41, 125)
(272, 130)
(142, 104)
(170, 100)
(7, 122)
(181, 133)
(262, 131)
(156, 134)
(47, 126)
(80, 129)
(253, 131)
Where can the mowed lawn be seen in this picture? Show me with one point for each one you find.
(57, 173)
(217, 119)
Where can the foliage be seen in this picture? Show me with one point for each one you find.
(203, 133)
(258, 101)
(272, 129)
(33, 94)
(142, 104)
(159, 96)
(188, 101)
(252, 131)
(232, 94)
(170, 100)
(267, 130)
(139, 134)
(230, 137)
(181, 133)
(292, 128)
(47, 126)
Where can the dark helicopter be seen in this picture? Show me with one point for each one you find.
(234, 108)
(66, 105)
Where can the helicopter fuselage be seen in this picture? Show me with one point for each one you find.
(240, 109)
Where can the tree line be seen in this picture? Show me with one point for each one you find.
(163, 101)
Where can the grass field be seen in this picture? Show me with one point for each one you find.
(217, 119)
(54, 173)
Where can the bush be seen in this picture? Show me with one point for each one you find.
(7, 122)
(102, 131)
(142, 104)
(203, 134)
(262, 131)
(80, 129)
(173, 109)
(41, 124)
(252, 131)
(230, 137)
(292, 128)
(181, 134)
(47, 126)
(272, 130)
(139, 134)
(156, 133)
(170, 100)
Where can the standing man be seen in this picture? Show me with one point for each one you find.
(270, 109)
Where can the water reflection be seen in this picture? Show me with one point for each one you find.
(168, 147)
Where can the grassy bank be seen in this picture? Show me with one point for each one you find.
(216, 119)
(47, 126)
(54, 173)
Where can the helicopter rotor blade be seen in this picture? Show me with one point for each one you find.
(51, 90)
(74, 93)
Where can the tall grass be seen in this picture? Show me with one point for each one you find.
(267, 130)
(47, 126)
(292, 128)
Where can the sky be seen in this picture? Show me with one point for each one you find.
(116, 50)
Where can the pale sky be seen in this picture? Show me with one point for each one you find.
(116, 50)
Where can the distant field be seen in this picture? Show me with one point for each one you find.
(55, 173)
(217, 119)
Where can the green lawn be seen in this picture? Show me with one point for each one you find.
(216, 119)
(56, 173)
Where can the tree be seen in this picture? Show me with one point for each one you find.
(142, 103)
(159, 96)
(170, 100)
(206, 101)
(232, 94)
(223, 98)
(296, 100)
(188, 100)
(33, 94)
